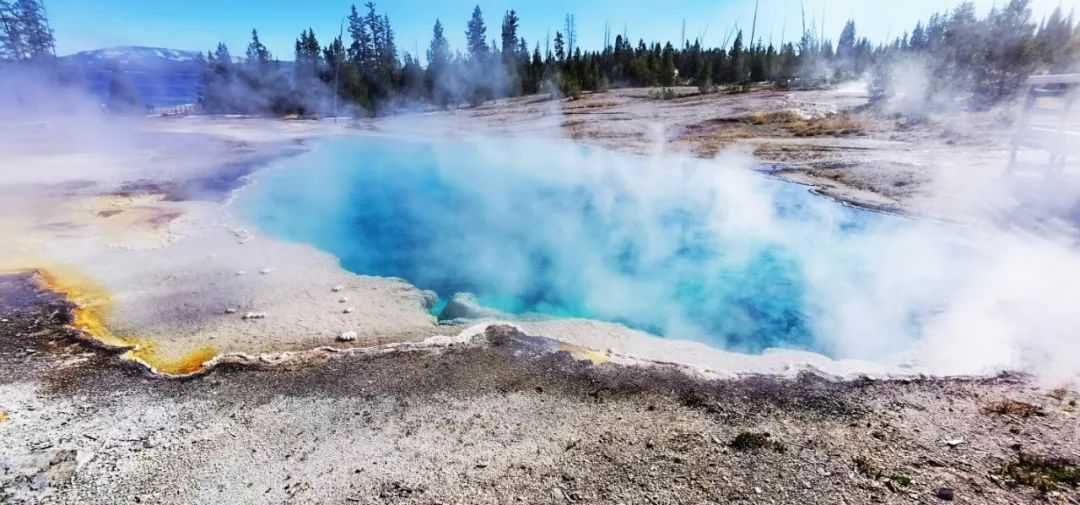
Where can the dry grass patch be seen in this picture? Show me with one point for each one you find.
(1010, 407)
(1058, 394)
(832, 126)
(799, 126)
(782, 117)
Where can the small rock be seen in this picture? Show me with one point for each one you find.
(240, 272)
(466, 306)
(348, 336)
(255, 315)
(349, 310)
(430, 298)
(266, 271)
(954, 442)
(230, 310)
(946, 494)
(343, 300)
(337, 289)
(3, 320)
(757, 490)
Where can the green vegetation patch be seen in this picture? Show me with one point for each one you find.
(901, 480)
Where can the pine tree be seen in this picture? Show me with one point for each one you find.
(476, 36)
(412, 80)
(510, 48)
(536, 72)
(510, 37)
(25, 34)
(389, 57)
(37, 36)
(10, 34)
(738, 61)
(571, 34)
(560, 47)
(257, 56)
(374, 23)
(438, 76)
(361, 48)
(1011, 34)
(334, 55)
(667, 68)
(308, 60)
(478, 63)
(222, 57)
(845, 49)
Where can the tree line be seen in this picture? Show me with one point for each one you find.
(987, 59)
(984, 60)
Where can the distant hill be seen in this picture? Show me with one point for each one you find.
(135, 58)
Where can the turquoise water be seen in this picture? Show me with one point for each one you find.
(676, 247)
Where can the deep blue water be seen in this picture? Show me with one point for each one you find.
(680, 248)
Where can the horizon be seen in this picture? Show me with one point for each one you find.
(119, 23)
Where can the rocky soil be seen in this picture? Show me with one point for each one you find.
(504, 420)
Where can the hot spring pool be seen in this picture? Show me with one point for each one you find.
(687, 249)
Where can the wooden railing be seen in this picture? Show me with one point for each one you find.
(175, 110)
(1048, 122)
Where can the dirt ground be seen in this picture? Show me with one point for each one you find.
(502, 420)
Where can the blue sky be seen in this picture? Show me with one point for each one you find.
(201, 24)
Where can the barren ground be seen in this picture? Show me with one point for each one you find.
(501, 420)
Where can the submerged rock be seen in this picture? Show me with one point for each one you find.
(430, 298)
(466, 306)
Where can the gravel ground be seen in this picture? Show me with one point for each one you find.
(501, 419)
